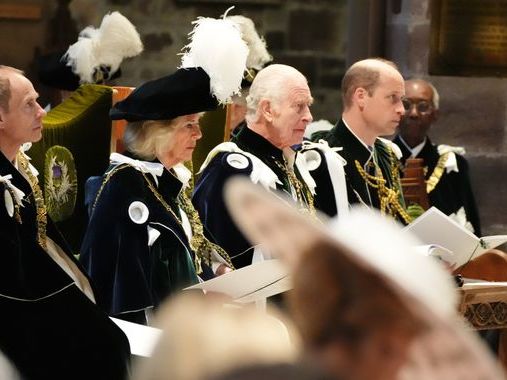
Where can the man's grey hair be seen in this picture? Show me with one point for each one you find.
(269, 84)
(240, 99)
(5, 85)
(436, 96)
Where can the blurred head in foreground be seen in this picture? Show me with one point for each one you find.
(367, 305)
(202, 337)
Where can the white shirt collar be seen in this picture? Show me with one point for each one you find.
(416, 149)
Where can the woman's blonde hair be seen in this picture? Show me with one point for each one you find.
(202, 337)
(148, 138)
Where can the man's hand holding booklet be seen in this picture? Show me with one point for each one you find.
(446, 239)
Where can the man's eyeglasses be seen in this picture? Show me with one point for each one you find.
(421, 106)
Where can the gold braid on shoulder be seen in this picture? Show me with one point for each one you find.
(39, 200)
(435, 177)
(199, 243)
(201, 246)
(389, 198)
(106, 180)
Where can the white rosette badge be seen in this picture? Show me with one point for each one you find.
(13, 197)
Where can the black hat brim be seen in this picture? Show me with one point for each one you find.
(184, 92)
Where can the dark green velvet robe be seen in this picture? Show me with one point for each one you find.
(50, 329)
(358, 190)
(208, 194)
(130, 275)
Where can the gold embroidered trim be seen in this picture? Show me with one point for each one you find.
(106, 180)
(199, 243)
(435, 177)
(39, 200)
(389, 198)
(201, 246)
(303, 194)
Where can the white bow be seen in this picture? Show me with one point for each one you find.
(451, 164)
(26, 147)
(460, 217)
(305, 173)
(183, 174)
(396, 149)
(261, 173)
(323, 145)
(153, 168)
(18, 194)
(32, 168)
(335, 164)
(443, 148)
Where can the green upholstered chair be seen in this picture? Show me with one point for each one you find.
(75, 145)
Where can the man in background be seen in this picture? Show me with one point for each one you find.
(446, 170)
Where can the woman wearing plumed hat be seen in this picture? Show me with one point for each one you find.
(144, 240)
(232, 118)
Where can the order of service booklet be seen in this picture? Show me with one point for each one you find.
(253, 282)
(435, 228)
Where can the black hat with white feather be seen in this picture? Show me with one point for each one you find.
(211, 71)
(95, 57)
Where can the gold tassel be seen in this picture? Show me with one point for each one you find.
(435, 177)
(389, 198)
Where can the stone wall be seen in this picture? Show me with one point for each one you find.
(308, 34)
(472, 110)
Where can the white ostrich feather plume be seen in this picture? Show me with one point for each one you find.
(114, 40)
(216, 46)
(317, 126)
(81, 57)
(89, 32)
(258, 54)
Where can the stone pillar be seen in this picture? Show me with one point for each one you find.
(473, 110)
(365, 29)
(408, 36)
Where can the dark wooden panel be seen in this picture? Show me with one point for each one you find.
(20, 11)
(233, 2)
(468, 38)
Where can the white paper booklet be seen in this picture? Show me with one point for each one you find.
(142, 338)
(251, 283)
(436, 228)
